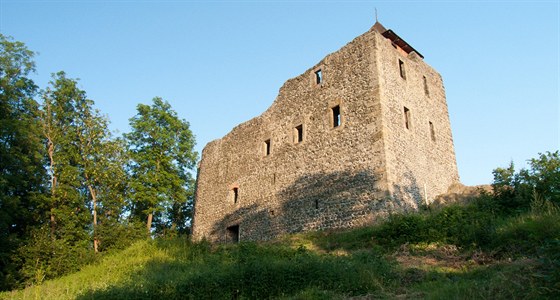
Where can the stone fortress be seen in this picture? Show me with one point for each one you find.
(363, 133)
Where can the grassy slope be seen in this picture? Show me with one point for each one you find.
(456, 252)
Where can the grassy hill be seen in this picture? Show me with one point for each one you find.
(459, 251)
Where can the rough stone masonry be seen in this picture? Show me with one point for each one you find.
(363, 133)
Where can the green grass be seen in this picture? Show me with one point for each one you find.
(454, 252)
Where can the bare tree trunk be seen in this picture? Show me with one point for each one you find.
(94, 200)
(151, 214)
(95, 238)
(47, 131)
(53, 187)
(149, 223)
(53, 222)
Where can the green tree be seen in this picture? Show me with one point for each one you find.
(79, 146)
(67, 204)
(162, 159)
(514, 191)
(86, 186)
(544, 176)
(21, 166)
(102, 166)
(83, 152)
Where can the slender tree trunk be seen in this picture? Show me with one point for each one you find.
(149, 223)
(53, 223)
(95, 238)
(151, 214)
(94, 200)
(47, 131)
(53, 188)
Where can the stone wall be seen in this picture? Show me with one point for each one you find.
(421, 158)
(260, 181)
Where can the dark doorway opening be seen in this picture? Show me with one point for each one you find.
(233, 234)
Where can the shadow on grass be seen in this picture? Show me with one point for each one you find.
(252, 271)
(260, 271)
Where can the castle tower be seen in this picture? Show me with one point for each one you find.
(363, 133)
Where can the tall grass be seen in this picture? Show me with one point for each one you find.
(522, 251)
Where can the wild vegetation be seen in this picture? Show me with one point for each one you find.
(500, 245)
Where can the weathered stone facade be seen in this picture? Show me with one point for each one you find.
(363, 133)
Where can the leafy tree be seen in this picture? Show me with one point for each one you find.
(544, 176)
(515, 191)
(102, 166)
(21, 165)
(67, 204)
(107, 183)
(80, 155)
(162, 157)
(86, 187)
(83, 156)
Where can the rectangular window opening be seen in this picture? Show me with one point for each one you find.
(336, 116)
(233, 234)
(318, 76)
(426, 91)
(235, 194)
(316, 203)
(406, 118)
(298, 134)
(267, 147)
(401, 69)
(432, 132)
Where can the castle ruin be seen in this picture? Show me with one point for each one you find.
(363, 133)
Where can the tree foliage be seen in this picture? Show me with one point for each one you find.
(87, 184)
(63, 103)
(516, 190)
(162, 158)
(21, 168)
(65, 187)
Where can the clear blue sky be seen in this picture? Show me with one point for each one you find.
(220, 63)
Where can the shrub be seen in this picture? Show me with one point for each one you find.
(44, 258)
(402, 228)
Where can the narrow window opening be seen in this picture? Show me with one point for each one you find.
(336, 116)
(401, 69)
(272, 212)
(267, 147)
(298, 134)
(318, 76)
(233, 234)
(316, 203)
(426, 91)
(432, 132)
(235, 191)
(406, 118)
